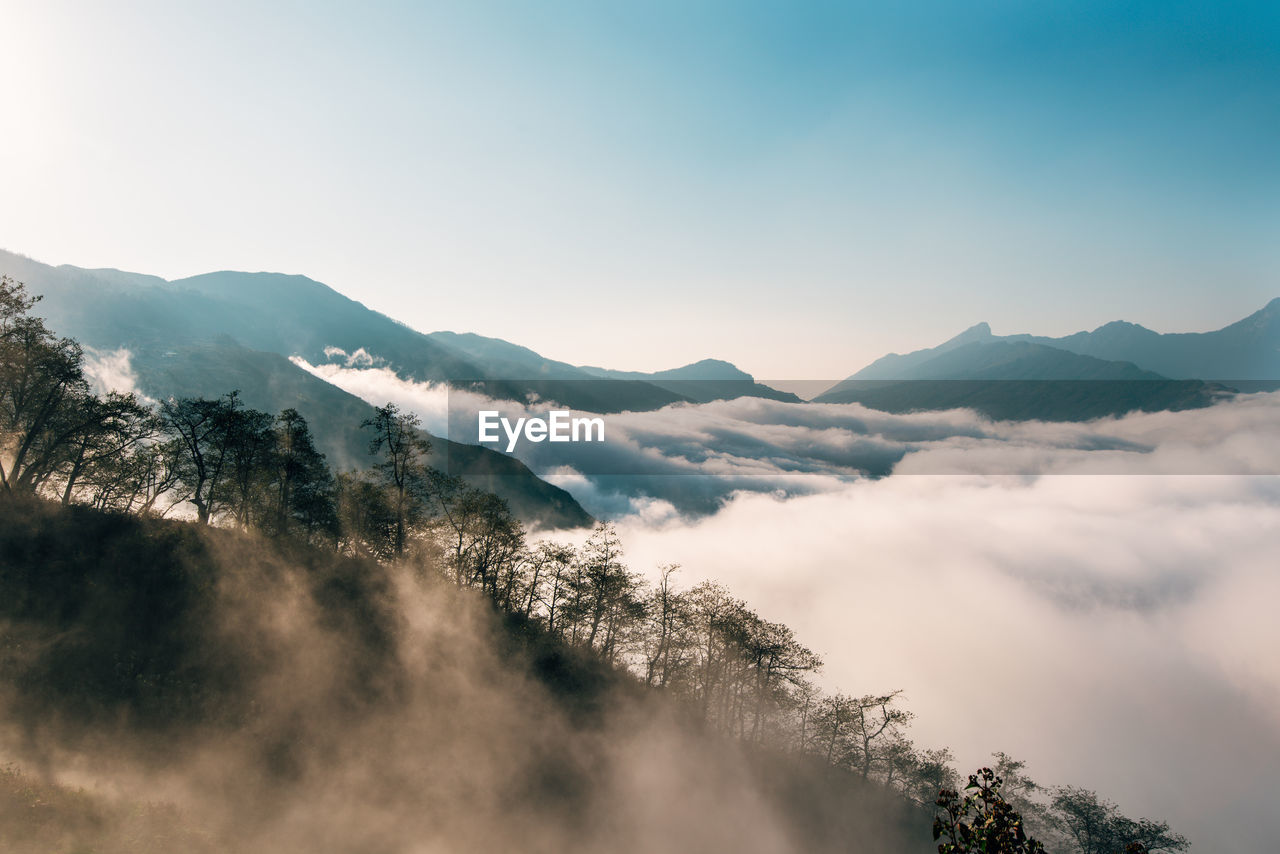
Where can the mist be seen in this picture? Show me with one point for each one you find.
(1112, 631)
(325, 704)
(692, 457)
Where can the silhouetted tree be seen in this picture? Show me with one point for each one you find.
(44, 396)
(302, 489)
(668, 612)
(203, 429)
(402, 470)
(878, 721)
(250, 449)
(114, 427)
(366, 517)
(551, 567)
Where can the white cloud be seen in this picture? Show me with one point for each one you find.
(1114, 631)
(695, 456)
(112, 370)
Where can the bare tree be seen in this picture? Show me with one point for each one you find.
(398, 441)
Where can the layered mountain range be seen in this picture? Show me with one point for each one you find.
(1116, 368)
(208, 334)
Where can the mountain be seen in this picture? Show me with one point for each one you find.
(179, 346)
(549, 379)
(1118, 367)
(699, 382)
(1014, 380)
(1246, 350)
(294, 315)
(702, 382)
(902, 367)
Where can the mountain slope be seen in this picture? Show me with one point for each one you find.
(699, 382)
(295, 315)
(291, 700)
(702, 382)
(271, 382)
(896, 366)
(1014, 380)
(178, 348)
(1248, 349)
(1129, 366)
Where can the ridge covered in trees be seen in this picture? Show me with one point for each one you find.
(735, 673)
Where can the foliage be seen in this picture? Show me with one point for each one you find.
(982, 822)
(1095, 826)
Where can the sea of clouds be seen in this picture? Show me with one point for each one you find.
(1094, 598)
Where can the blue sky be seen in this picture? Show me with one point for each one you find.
(798, 188)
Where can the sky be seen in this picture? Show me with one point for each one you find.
(797, 189)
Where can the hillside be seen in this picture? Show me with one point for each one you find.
(269, 698)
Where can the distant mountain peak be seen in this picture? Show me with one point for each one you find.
(977, 332)
(1263, 322)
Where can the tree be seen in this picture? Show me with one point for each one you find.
(251, 449)
(203, 430)
(43, 394)
(982, 822)
(474, 529)
(366, 519)
(609, 594)
(551, 566)
(833, 723)
(714, 616)
(496, 549)
(302, 489)
(1095, 826)
(779, 663)
(877, 721)
(1023, 793)
(137, 480)
(921, 775)
(113, 427)
(668, 612)
(402, 470)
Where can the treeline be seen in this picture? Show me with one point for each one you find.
(740, 673)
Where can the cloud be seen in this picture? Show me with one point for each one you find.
(112, 370)
(361, 358)
(1114, 631)
(696, 456)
